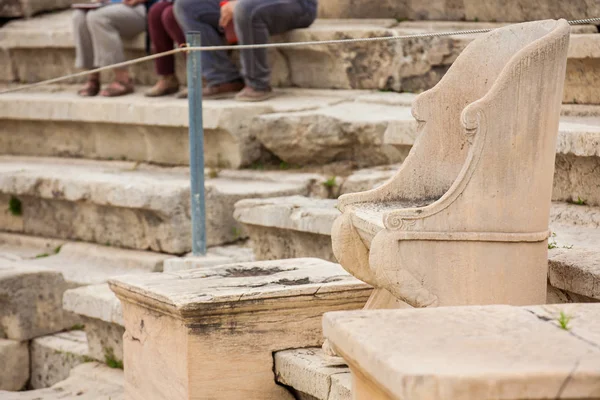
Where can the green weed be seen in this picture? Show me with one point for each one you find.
(330, 183)
(110, 359)
(563, 321)
(15, 206)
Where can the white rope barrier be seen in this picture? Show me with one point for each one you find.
(186, 48)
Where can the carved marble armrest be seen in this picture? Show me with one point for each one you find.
(473, 121)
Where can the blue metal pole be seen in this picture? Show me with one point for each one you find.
(194, 79)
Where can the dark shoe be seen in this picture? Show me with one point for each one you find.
(165, 86)
(222, 90)
(91, 88)
(250, 94)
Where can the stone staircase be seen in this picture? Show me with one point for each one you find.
(98, 188)
(42, 48)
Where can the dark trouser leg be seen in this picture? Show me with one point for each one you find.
(255, 20)
(172, 27)
(203, 16)
(161, 39)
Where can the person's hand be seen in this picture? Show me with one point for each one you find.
(227, 13)
(133, 3)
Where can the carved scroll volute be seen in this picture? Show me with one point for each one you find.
(473, 117)
(394, 222)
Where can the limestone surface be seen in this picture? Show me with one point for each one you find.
(103, 319)
(347, 131)
(126, 205)
(18, 247)
(288, 227)
(155, 130)
(241, 312)
(497, 352)
(14, 359)
(311, 372)
(218, 255)
(89, 381)
(31, 301)
(27, 8)
(54, 356)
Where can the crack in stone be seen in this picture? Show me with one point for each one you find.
(568, 379)
(570, 332)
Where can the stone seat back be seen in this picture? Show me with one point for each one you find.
(479, 175)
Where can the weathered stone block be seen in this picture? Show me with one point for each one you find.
(27, 8)
(53, 357)
(310, 372)
(89, 381)
(219, 255)
(14, 359)
(125, 205)
(105, 340)
(288, 227)
(103, 319)
(189, 322)
(154, 130)
(528, 10)
(497, 352)
(31, 301)
(18, 247)
(348, 131)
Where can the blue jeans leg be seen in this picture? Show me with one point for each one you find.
(203, 16)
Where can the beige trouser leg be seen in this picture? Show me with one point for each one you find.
(98, 33)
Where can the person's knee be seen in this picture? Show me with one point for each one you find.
(78, 18)
(243, 13)
(181, 10)
(95, 19)
(168, 17)
(155, 14)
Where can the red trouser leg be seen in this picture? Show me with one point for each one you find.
(160, 37)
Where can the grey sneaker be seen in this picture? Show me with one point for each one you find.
(250, 94)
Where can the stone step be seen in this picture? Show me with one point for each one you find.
(54, 356)
(497, 351)
(129, 205)
(300, 127)
(24, 8)
(88, 381)
(101, 312)
(152, 130)
(470, 10)
(79, 263)
(217, 255)
(102, 316)
(31, 302)
(313, 375)
(42, 48)
(301, 227)
(14, 358)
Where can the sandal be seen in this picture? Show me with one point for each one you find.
(166, 86)
(91, 88)
(118, 88)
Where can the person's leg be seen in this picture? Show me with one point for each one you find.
(172, 27)
(255, 20)
(162, 41)
(107, 26)
(160, 38)
(84, 53)
(203, 16)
